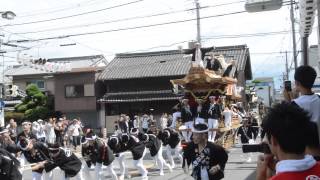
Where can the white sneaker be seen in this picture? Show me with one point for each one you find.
(121, 177)
(161, 173)
(173, 166)
(144, 177)
(249, 160)
(170, 168)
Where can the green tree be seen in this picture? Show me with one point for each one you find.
(34, 105)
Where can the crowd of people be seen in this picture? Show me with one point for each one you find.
(60, 130)
(290, 129)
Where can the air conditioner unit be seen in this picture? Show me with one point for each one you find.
(262, 5)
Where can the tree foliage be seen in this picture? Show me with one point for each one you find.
(34, 105)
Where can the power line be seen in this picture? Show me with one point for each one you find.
(129, 28)
(246, 35)
(126, 19)
(56, 9)
(74, 15)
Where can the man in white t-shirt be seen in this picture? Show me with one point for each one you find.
(75, 132)
(227, 114)
(304, 77)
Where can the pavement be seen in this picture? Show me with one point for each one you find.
(236, 169)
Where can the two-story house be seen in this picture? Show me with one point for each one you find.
(73, 90)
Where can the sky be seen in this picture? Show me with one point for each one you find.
(59, 18)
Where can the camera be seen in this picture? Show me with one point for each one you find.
(287, 85)
(262, 148)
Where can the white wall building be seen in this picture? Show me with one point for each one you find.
(314, 61)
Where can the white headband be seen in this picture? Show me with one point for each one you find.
(113, 137)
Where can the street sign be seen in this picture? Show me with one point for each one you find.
(262, 5)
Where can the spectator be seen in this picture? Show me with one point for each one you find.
(59, 130)
(75, 131)
(227, 114)
(163, 121)
(304, 77)
(145, 123)
(50, 134)
(26, 133)
(123, 123)
(12, 128)
(136, 122)
(287, 128)
(38, 130)
(313, 146)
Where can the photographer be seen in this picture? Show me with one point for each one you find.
(304, 77)
(287, 128)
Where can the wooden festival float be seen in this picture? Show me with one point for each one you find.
(200, 83)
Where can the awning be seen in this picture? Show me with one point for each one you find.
(139, 96)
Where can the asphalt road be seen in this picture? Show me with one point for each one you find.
(236, 169)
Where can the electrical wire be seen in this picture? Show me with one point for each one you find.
(74, 15)
(126, 19)
(129, 28)
(57, 9)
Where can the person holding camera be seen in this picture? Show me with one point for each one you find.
(304, 77)
(287, 128)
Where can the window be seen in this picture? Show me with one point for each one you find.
(74, 91)
(81, 90)
(38, 83)
(89, 90)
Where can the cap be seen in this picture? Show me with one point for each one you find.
(200, 128)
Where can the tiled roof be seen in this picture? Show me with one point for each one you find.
(239, 53)
(76, 63)
(168, 63)
(140, 96)
(141, 65)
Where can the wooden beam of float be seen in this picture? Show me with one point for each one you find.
(202, 80)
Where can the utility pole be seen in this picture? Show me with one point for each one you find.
(198, 21)
(293, 35)
(287, 68)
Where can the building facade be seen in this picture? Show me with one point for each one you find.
(139, 83)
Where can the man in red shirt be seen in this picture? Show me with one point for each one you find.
(287, 128)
